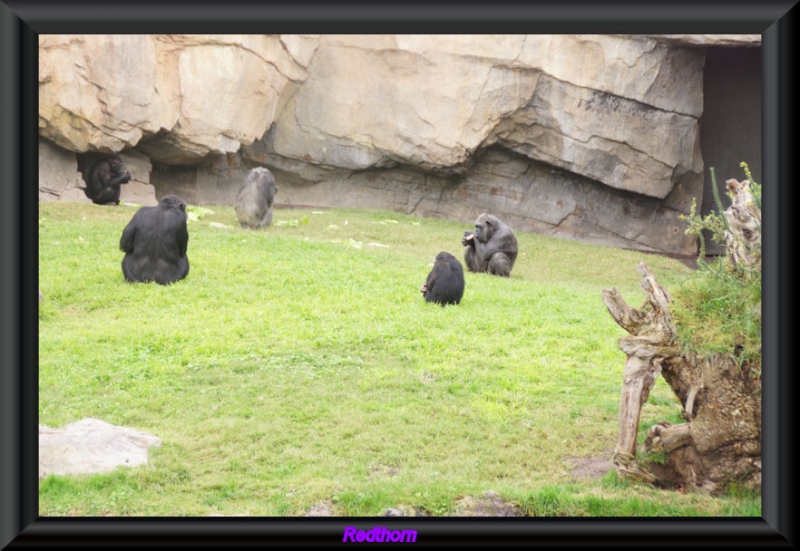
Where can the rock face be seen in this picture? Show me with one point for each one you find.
(91, 446)
(592, 137)
(176, 98)
(58, 174)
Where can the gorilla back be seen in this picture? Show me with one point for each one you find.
(253, 204)
(155, 243)
(445, 283)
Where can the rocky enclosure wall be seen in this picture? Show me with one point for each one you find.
(593, 138)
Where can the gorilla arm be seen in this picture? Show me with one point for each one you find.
(428, 285)
(183, 240)
(109, 173)
(128, 235)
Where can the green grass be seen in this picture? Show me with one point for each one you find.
(299, 365)
(717, 311)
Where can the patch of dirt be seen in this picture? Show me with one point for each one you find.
(383, 470)
(404, 511)
(319, 510)
(489, 504)
(591, 468)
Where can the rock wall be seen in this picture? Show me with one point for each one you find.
(590, 137)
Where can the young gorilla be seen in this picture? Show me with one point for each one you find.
(445, 283)
(105, 177)
(155, 242)
(254, 201)
(492, 247)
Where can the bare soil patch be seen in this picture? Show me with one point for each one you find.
(591, 468)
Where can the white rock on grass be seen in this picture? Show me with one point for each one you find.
(91, 446)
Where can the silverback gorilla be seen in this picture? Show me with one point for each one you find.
(254, 201)
(445, 283)
(492, 247)
(105, 177)
(155, 242)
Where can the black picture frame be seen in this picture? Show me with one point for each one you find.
(22, 22)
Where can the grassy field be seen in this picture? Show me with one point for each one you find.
(300, 365)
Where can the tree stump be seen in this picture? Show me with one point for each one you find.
(720, 442)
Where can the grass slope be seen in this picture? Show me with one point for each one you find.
(300, 365)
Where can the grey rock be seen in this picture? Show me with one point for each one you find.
(91, 446)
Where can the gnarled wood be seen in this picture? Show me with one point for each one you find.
(721, 441)
(665, 437)
(650, 327)
(743, 238)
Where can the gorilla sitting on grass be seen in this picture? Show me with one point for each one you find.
(155, 242)
(491, 248)
(445, 283)
(254, 201)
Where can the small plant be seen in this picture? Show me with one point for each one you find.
(716, 222)
(719, 310)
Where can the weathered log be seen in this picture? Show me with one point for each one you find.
(652, 332)
(666, 437)
(743, 237)
(721, 442)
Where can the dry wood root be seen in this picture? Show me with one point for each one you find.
(721, 440)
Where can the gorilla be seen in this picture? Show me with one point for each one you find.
(492, 247)
(445, 283)
(254, 201)
(155, 242)
(105, 177)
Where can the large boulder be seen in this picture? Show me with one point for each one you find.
(179, 98)
(103, 92)
(603, 107)
(58, 174)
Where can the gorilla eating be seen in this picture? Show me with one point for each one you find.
(105, 177)
(445, 283)
(254, 201)
(155, 242)
(492, 247)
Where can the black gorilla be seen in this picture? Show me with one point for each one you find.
(492, 247)
(445, 283)
(105, 177)
(254, 201)
(155, 242)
